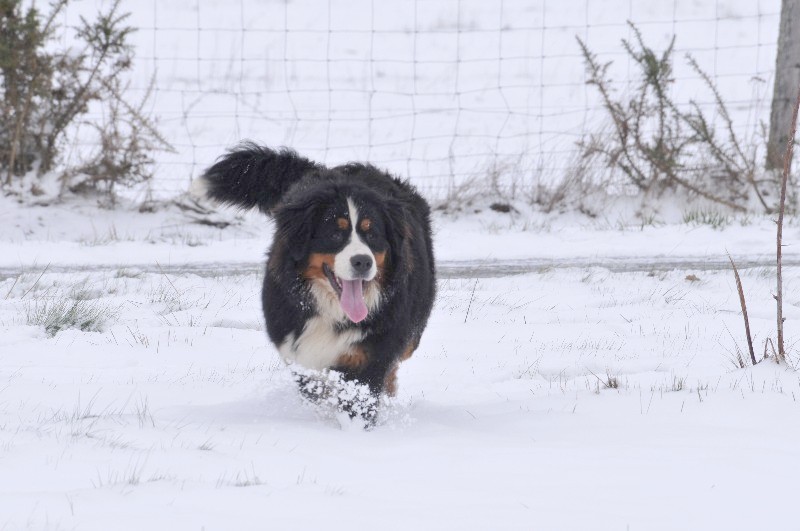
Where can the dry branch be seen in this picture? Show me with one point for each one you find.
(744, 310)
(787, 164)
(660, 146)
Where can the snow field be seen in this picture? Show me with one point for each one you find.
(566, 399)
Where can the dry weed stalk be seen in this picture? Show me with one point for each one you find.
(780, 354)
(744, 310)
(787, 164)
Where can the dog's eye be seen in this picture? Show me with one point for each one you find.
(338, 236)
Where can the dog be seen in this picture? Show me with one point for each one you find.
(350, 279)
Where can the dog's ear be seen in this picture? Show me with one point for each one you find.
(295, 222)
(398, 234)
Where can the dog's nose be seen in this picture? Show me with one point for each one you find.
(361, 263)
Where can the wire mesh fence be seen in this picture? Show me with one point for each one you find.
(440, 91)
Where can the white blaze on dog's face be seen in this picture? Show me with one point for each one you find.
(347, 254)
(355, 261)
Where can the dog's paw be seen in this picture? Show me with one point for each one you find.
(350, 402)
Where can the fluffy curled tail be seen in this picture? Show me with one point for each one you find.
(250, 176)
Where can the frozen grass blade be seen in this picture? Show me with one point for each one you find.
(55, 316)
(37, 281)
(161, 269)
(471, 298)
(13, 285)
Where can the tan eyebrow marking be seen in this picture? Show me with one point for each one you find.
(343, 223)
(365, 224)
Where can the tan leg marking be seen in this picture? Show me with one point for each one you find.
(390, 382)
(355, 359)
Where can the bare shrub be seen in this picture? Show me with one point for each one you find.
(124, 154)
(658, 146)
(47, 90)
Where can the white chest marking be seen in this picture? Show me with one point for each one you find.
(319, 345)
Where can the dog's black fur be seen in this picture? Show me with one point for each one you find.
(301, 196)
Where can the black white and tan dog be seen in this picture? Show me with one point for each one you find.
(350, 280)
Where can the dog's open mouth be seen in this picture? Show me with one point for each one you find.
(350, 293)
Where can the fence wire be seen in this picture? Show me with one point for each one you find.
(439, 91)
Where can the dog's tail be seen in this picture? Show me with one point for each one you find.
(250, 176)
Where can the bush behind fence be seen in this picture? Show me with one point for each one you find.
(440, 91)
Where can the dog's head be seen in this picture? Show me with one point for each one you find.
(342, 240)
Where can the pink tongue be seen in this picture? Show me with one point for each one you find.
(352, 300)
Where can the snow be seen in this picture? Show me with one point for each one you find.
(577, 372)
(179, 414)
(76, 234)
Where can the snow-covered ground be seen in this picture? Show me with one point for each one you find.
(567, 398)
(577, 373)
(76, 233)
